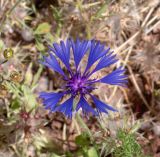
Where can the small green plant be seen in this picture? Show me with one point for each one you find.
(127, 146)
(87, 148)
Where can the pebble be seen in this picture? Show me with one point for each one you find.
(27, 34)
(156, 129)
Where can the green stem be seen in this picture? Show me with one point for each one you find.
(83, 125)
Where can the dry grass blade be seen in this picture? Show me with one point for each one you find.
(139, 91)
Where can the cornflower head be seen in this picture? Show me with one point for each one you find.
(78, 83)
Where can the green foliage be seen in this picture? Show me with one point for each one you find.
(83, 140)
(87, 147)
(42, 28)
(101, 11)
(127, 146)
(57, 14)
(39, 44)
(23, 94)
(15, 105)
(92, 152)
(42, 34)
(1, 44)
(40, 31)
(29, 98)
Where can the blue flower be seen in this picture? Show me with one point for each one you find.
(78, 83)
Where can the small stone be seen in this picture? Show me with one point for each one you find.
(31, 151)
(27, 34)
(42, 84)
(146, 126)
(156, 129)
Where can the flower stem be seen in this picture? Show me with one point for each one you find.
(83, 125)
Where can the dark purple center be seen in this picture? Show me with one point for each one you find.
(78, 84)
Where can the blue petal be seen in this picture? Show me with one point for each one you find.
(102, 107)
(97, 51)
(52, 63)
(50, 100)
(66, 108)
(62, 51)
(86, 108)
(105, 61)
(79, 50)
(116, 77)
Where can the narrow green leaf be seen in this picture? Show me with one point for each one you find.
(29, 98)
(40, 46)
(1, 44)
(37, 76)
(82, 123)
(101, 11)
(29, 75)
